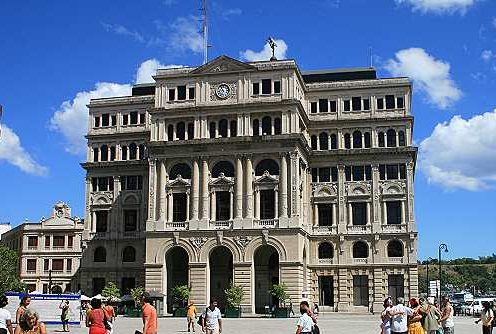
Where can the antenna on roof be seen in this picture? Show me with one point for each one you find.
(205, 31)
(371, 64)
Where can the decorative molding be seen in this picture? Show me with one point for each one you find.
(198, 242)
(265, 236)
(220, 237)
(242, 241)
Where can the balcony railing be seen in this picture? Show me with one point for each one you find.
(326, 261)
(325, 229)
(392, 228)
(32, 247)
(30, 272)
(358, 229)
(396, 259)
(360, 260)
(176, 225)
(99, 235)
(222, 224)
(266, 223)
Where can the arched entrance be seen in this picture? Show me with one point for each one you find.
(221, 273)
(177, 266)
(266, 262)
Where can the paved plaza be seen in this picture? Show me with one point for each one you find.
(333, 323)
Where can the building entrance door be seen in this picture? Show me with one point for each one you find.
(326, 288)
(177, 266)
(266, 274)
(221, 274)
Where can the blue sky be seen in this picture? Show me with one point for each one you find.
(55, 55)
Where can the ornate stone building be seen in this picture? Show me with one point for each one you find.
(49, 251)
(256, 173)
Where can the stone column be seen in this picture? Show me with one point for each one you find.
(196, 190)
(231, 204)
(188, 205)
(402, 212)
(315, 214)
(152, 190)
(163, 181)
(205, 193)
(257, 204)
(283, 187)
(276, 203)
(350, 214)
(239, 188)
(334, 214)
(368, 213)
(170, 203)
(212, 206)
(409, 192)
(384, 213)
(249, 188)
(295, 185)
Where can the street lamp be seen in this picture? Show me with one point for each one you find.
(445, 248)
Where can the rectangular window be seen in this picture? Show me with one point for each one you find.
(58, 265)
(31, 265)
(142, 118)
(382, 172)
(101, 220)
(47, 241)
(333, 106)
(346, 105)
(58, 241)
(334, 174)
(267, 204)
(380, 103)
(112, 153)
(347, 173)
(68, 266)
(46, 264)
(324, 175)
(103, 183)
(359, 213)
(400, 103)
(125, 119)
(98, 285)
(105, 119)
(393, 209)
(325, 214)
(356, 103)
(191, 93)
(133, 117)
(256, 88)
(396, 286)
(366, 104)
(222, 209)
(130, 220)
(181, 93)
(277, 87)
(390, 102)
(32, 241)
(31, 287)
(358, 173)
(368, 173)
(392, 172)
(315, 175)
(172, 94)
(402, 171)
(360, 290)
(113, 120)
(323, 105)
(179, 207)
(70, 241)
(97, 121)
(266, 86)
(313, 107)
(132, 182)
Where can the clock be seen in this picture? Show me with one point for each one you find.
(223, 91)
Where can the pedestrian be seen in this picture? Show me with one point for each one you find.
(64, 315)
(446, 319)
(23, 305)
(414, 321)
(305, 322)
(5, 317)
(399, 317)
(212, 320)
(96, 318)
(386, 317)
(487, 317)
(109, 312)
(291, 311)
(29, 323)
(312, 316)
(191, 315)
(432, 314)
(149, 316)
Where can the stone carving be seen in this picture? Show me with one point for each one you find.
(242, 241)
(393, 188)
(220, 237)
(358, 188)
(198, 242)
(325, 190)
(175, 238)
(233, 91)
(265, 236)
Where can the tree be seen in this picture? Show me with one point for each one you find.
(234, 295)
(111, 291)
(136, 294)
(9, 264)
(181, 294)
(280, 292)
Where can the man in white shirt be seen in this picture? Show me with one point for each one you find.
(5, 317)
(399, 315)
(305, 322)
(212, 323)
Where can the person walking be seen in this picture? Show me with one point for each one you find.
(212, 320)
(399, 317)
(64, 315)
(5, 317)
(385, 317)
(149, 316)
(29, 323)
(487, 317)
(191, 315)
(432, 314)
(414, 321)
(23, 305)
(305, 322)
(446, 319)
(96, 318)
(312, 316)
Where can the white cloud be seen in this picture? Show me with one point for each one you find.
(11, 151)
(228, 13)
(121, 30)
(487, 55)
(461, 153)
(266, 52)
(149, 68)
(430, 75)
(439, 6)
(183, 34)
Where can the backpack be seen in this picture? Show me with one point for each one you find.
(200, 318)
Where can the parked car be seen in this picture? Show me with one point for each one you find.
(475, 308)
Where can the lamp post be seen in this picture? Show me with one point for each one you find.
(441, 248)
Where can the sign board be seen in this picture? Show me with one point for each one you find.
(47, 307)
(434, 287)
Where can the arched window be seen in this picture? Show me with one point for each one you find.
(360, 250)
(334, 142)
(225, 167)
(234, 128)
(347, 141)
(267, 165)
(180, 169)
(124, 153)
(313, 142)
(357, 139)
(95, 154)
(191, 131)
(133, 149)
(105, 155)
(391, 138)
(401, 138)
(266, 126)
(211, 129)
(112, 153)
(223, 128)
(129, 254)
(256, 127)
(170, 132)
(277, 126)
(324, 141)
(325, 251)
(367, 143)
(180, 130)
(142, 151)
(100, 254)
(395, 248)
(380, 136)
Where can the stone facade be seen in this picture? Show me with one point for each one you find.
(49, 251)
(256, 173)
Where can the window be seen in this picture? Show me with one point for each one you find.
(400, 103)
(256, 127)
(324, 141)
(323, 105)
(346, 104)
(334, 174)
(401, 138)
(266, 126)
(31, 287)
(360, 250)
(366, 104)
(333, 106)
(31, 264)
(68, 266)
(325, 214)
(130, 220)
(277, 126)
(395, 248)
(325, 251)
(402, 171)
(211, 130)
(142, 151)
(367, 143)
(101, 220)
(141, 118)
(170, 132)
(256, 88)
(380, 136)
(359, 213)
(222, 201)
(105, 119)
(267, 165)
(112, 153)
(132, 182)
(391, 138)
(46, 264)
(133, 151)
(334, 142)
(396, 286)
(124, 153)
(125, 119)
(391, 172)
(100, 254)
(347, 173)
(129, 254)
(356, 103)
(180, 169)
(104, 153)
(324, 175)
(58, 241)
(277, 87)
(368, 173)
(70, 241)
(133, 117)
(97, 121)
(234, 128)
(315, 174)
(393, 209)
(32, 241)
(223, 128)
(360, 290)
(180, 131)
(179, 207)
(313, 107)
(266, 86)
(47, 241)
(98, 285)
(181, 93)
(113, 120)
(127, 283)
(58, 264)
(267, 204)
(357, 173)
(347, 141)
(172, 94)
(380, 103)
(191, 93)
(102, 184)
(357, 139)
(390, 102)
(225, 167)
(95, 154)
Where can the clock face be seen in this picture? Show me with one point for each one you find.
(222, 91)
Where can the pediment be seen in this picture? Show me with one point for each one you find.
(101, 199)
(178, 182)
(131, 199)
(326, 191)
(58, 222)
(221, 180)
(393, 188)
(223, 64)
(266, 178)
(358, 189)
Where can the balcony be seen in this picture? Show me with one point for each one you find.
(33, 248)
(358, 229)
(326, 261)
(266, 223)
(221, 224)
(395, 259)
(131, 235)
(360, 260)
(393, 228)
(175, 226)
(99, 235)
(325, 229)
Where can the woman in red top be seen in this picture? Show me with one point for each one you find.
(95, 318)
